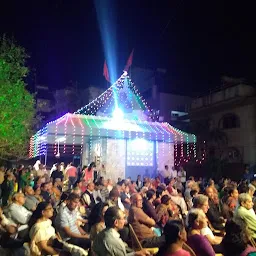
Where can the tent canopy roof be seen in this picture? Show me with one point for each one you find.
(95, 121)
(73, 127)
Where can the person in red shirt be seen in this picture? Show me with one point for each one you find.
(72, 175)
(156, 182)
(89, 173)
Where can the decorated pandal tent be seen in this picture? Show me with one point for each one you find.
(116, 130)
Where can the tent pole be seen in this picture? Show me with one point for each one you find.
(45, 157)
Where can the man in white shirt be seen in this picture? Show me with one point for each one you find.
(166, 174)
(66, 223)
(174, 172)
(17, 212)
(183, 175)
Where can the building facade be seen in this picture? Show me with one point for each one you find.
(168, 105)
(231, 110)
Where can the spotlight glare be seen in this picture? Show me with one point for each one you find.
(118, 114)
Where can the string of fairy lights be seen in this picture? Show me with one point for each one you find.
(87, 123)
(140, 129)
(108, 99)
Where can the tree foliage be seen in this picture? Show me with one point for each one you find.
(17, 105)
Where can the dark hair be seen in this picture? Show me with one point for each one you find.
(120, 183)
(100, 181)
(73, 196)
(150, 193)
(36, 187)
(97, 183)
(179, 191)
(171, 231)
(231, 189)
(37, 214)
(243, 188)
(159, 192)
(92, 164)
(96, 214)
(84, 167)
(165, 199)
(114, 193)
(43, 184)
(111, 215)
(63, 197)
(193, 192)
(236, 239)
(191, 218)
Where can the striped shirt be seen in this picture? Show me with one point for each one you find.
(68, 218)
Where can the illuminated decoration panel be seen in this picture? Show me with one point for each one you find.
(38, 143)
(120, 113)
(76, 128)
(140, 152)
(123, 95)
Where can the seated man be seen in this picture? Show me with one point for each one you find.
(66, 222)
(114, 199)
(31, 201)
(143, 224)
(45, 191)
(213, 213)
(57, 189)
(104, 190)
(88, 195)
(244, 212)
(176, 198)
(108, 241)
(17, 212)
(8, 236)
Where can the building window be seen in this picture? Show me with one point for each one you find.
(229, 121)
(234, 155)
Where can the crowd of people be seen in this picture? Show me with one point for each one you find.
(79, 211)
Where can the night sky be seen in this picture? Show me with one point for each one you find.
(196, 41)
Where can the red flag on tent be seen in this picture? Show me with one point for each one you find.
(129, 61)
(105, 71)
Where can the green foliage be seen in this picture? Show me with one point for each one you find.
(17, 111)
